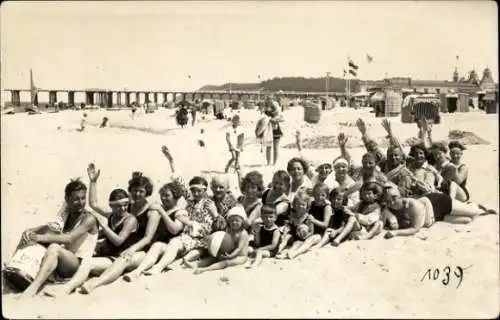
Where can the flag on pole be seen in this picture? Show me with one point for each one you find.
(457, 57)
(33, 90)
(353, 72)
(352, 65)
(189, 76)
(369, 58)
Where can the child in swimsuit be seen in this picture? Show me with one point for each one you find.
(338, 220)
(320, 211)
(252, 186)
(236, 229)
(277, 196)
(266, 237)
(364, 220)
(299, 230)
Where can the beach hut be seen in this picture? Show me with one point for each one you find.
(312, 112)
(420, 106)
(490, 101)
(393, 102)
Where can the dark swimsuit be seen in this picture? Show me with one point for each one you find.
(266, 238)
(281, 219)
(318, 212)
(108, 248)
(441, 204)
(338, 218)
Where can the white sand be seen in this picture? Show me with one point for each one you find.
(379, 278)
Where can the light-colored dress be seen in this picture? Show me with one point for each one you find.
(199, 213)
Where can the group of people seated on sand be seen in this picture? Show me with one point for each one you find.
(302, 208)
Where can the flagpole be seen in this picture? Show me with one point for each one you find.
(31, 88)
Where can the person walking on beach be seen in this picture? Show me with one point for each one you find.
(234, 139)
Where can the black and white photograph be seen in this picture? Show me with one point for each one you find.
(249, 159)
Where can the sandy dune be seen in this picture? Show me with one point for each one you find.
(379, 278)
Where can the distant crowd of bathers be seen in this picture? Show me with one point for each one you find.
(303, 208)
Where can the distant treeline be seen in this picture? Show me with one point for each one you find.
(290, 84)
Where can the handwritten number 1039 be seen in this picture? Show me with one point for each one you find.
(444, 275)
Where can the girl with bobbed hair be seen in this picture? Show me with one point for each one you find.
(148, 218)
(252, 187)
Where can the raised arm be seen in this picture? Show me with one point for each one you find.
(393, 140)
(342, 140)
(368, 142)
(168, 155)
(94, 173)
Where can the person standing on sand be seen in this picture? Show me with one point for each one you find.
(272, 133)
(234, 139)
(66, 250)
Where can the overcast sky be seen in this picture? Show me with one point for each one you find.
(156, 45)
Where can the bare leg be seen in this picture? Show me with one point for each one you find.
(113, 272)
(93, 266)
(284, 254)
(457, 219)
(58, 258)
(456, 192)
(223, 264)
(152, 256)
(329, 234)
(268, 154)
(345, 232)
(259, 256)
(374, 230)
(276, 149)
(229, 163)
(191, 257)
(459, 208)
(283, 243)
(305, 246)
(237, 159)
(174, 247)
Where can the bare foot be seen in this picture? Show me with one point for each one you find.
(152, 272)
(55, 291)
(282, 255)
(189, 264)
(87, 287)
(198, 271)
(131, 276)
(335, 243)
(249, 265)
(28, 293)
(290, 255)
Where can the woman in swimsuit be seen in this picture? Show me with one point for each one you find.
(148, 219)
(456, 151)
(413, 214)
(252, 186)
(449, 171)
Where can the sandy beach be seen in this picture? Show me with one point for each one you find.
(377, 278)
